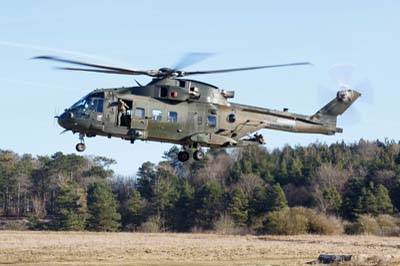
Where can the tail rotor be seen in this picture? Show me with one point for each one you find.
(342, 76)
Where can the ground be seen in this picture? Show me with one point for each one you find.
(83, 248)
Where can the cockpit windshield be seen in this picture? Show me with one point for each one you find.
(80, 103)
(92, 102)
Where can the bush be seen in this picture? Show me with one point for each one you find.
(388, 225)
(152, 225)
(15, 225)
(323, 225)
(365, 225)
(382, 225)
(35, 222)
(286, 222)
(299, 220)
(226, 225)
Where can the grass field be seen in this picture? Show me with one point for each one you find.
(83, 248)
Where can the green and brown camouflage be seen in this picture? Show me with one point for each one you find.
(190, 113)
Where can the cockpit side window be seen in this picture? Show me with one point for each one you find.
(95, 105)
(100, 103)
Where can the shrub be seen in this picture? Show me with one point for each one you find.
(35, 222)
(225, 225)
(365, 224)
(286, 222)
(299, 220)
(323, 225)
(388, 225)
(152, 225)
(382, 225)
(16, 225)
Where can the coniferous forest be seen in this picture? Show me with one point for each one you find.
(322, 189)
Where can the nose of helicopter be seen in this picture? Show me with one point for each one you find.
(64, 120)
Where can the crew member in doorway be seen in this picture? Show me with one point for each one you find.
(122, 107)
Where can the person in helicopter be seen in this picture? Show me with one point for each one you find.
(122, 108)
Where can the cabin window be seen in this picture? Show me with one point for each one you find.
(139, 113)
(163, 92)
(232, 118)
(212, 121)
(172, 117)
(182, 83)
(156, 115)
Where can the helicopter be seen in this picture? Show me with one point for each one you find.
(190, 113)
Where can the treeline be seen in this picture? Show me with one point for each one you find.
(315, 189)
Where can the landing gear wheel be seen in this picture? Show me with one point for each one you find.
(80, 147)
(199, 155)
(183, 156)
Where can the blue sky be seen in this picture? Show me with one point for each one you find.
(154, 34)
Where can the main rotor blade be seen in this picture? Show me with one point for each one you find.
(242, 69)
(124, 71)
(96, 70)
(191, 59)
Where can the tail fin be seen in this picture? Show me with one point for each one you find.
(328, 114)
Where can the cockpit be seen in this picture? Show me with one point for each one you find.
(90, 103)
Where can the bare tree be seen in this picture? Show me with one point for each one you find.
(248, 183)
(327, 178)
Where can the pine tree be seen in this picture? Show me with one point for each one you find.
(257, 203)
(134, 210)
(369, 202)
(8, 161)
(333, 200)
(146, 174)
(384, 203)
(70, 208)
(282, 172)
(395, 193)
(352, 199)
(238, 207)
(102, 208)
(208, 205)
(183, 214)
(276, 198)
(164, 195)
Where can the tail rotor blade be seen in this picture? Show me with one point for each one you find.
(324, 94)
(367, 90)
(342, 74)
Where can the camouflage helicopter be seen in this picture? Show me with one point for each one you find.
(187, 112)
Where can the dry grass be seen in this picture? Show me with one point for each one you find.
(83, 248)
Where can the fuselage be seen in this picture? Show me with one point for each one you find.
(179, 111)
